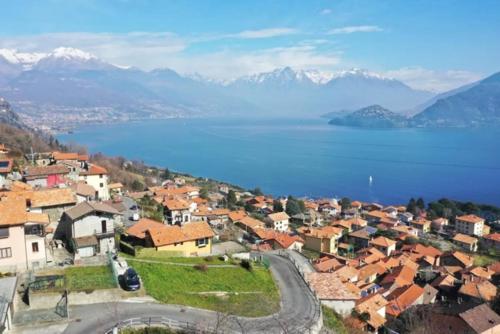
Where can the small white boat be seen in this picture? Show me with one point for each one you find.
(370, 180)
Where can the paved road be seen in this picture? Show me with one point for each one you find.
(127, 214)
(302, 262)
(298, 310)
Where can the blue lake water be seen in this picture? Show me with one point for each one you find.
(312, 158)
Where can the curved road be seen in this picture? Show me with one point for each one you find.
(298, 310)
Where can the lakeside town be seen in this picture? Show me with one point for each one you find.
(73, 236)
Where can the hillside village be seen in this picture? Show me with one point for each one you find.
(377, 267)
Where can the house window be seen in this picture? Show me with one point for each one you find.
(5, 252)
(4, 232)
(104, 227)
(101, 185)
(202, 242)
(100, 176)
(34, 247)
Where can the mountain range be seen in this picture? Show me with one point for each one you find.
(68, 85)
(71, 79)
(474, 105)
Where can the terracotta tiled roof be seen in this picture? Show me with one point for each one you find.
(83, 157)
(483, 290)
(495, 267)
(35, 217)
(371, 305)
(362, 234)
(139, 229)
(471, 219)
(175, 204)
(115, 186)
(370, 270)
(493, 237)
(12, 212)
(32, 172)
(466, 239)
(357, 221)
(52, 197)
(327, 264)
(167, 235)
(64, 156)
(383, 242)
(94, 170)
(444, 282)
(485, 273)
(251, 223)
(326, 232)
(422, 250)
(401, 276)
(482, 319)
(285, 240)
(237, 215)
(83, 189)
(328, 286)
(465, 259)
(347, 274)
(278, 216)
(402, 298)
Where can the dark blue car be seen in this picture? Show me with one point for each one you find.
(131, 281)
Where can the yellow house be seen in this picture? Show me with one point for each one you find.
(323, 239)
(191, 239)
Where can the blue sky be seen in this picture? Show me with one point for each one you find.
(428, 44)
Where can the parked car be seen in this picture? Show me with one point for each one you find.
(131, 281)
(135, 217)
(134, 207)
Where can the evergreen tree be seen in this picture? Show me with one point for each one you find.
(231, 197)
(412, 206)
(420, 203)
(166, 174)
(277, 206)
(257, 192)
(345, 203)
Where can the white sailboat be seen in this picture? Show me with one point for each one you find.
(370, 180)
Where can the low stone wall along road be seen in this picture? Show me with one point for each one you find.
(300, 311)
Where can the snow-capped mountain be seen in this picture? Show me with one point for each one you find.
(71, 78)
(24, 59)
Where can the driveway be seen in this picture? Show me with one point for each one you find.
(127, 214)
(227, 247)
(299, 310)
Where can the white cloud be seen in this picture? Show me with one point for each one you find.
(326, 11)
(141, 49)
(264, 33)
(353, 29)
(432, 80)
(164, 49)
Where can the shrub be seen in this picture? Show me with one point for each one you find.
(201, 267)
(209, 259)
(246, 264)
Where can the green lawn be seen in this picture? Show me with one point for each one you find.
(484, 260)
(333, 321)
(89, 278)
(231, 290)
(151, 254)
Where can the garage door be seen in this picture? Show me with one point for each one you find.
(86, 251)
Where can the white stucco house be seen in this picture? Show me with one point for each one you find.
(89, 228)
(97, 177)
(279, 221)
